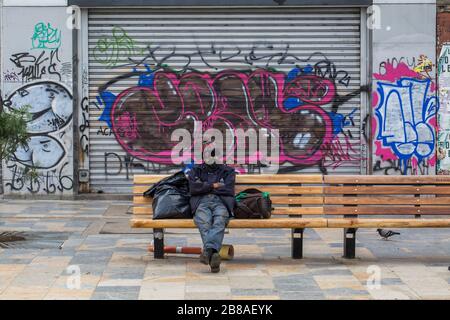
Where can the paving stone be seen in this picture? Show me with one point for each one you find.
(118, 266)
(91, 257)
(114, 295)
(253, 292)
(302, 295)
(251, 282)
(68, 294)
(391, 281)
(344, 292)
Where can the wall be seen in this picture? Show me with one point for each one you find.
(404, 102)
(37, 71)
(443, 52)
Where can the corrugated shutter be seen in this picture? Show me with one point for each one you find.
(324, 44)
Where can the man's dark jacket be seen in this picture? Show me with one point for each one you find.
(201, 179)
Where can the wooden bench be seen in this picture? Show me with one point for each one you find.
(321, 201)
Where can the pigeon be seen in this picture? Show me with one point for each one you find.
(385, 234)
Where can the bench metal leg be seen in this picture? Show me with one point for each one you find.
(158, 243)
(349, 243)
(297, 243)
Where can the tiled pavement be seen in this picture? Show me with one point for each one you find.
(92, 237)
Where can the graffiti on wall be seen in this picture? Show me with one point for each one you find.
(84, 127)
(404, 126)
(303, 104)
(10, 76)
(422, 65)
(32, 66)
(109, 50)
(51, 113)
(443, 152)
(39, 76)
(45, 37)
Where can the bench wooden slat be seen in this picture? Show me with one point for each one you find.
(148, 179)
(352, 179)
(247, 178)
(146, 210)
(139, 190)
(141, 200)
(238, 223)
(388, 210)
(276, 190)
(431, 210)
(279, 178)
(387, 223)
(273, 190)
(386, 190)
(392, 200)
(290, 223)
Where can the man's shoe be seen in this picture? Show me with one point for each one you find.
(206, 256)
(214, 263)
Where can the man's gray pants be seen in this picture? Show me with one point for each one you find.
(211, 218)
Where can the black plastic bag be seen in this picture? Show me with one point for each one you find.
(171, 197)
(177, 180)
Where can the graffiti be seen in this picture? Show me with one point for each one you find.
(39, 67)
(41, 152)
(422, 65)
(84, 126)
(11, 76)
(405, 110)
(259, 55)
(109, 49)
(443, 145)
(397, 167)
(104, 131)
(164, 100)
(34, 67)
(115, 164)
(303, 103)
(46, 37)
(50, 106)
(66, 70)
(49, 182)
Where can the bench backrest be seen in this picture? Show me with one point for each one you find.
(285, 190)
(386, 195)
(296, 194)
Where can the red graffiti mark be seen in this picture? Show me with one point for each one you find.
(127, 126)
(337, 152)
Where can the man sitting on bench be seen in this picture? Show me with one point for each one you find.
(212, 202)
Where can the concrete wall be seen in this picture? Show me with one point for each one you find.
(37, 71)
(404, 102)
(37, 56)
(443, 51)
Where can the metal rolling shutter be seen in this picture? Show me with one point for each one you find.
(225, 39)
